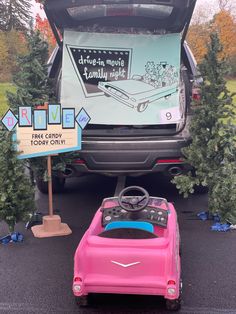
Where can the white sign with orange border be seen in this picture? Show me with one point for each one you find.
(34, 143)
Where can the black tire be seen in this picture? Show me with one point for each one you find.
(82, 301)
(57, 185)
(173, 305)
(180, 250)
(200, 189)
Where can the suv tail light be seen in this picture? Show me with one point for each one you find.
(78, 161)
(196, 94)
(169, 161)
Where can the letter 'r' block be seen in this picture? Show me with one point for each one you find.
(25, 116)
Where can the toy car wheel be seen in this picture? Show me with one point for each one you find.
(141, 107)
(82, 301)
(173, 305)
(57, 185)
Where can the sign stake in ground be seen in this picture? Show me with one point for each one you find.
(52, 225)
(50, 200)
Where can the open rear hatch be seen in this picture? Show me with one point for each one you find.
(169, 15)
(87, 25)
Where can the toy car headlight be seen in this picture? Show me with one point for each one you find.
(77, 287)
(171, 291)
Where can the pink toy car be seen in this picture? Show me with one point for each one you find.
(131, 247)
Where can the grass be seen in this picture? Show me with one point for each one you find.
(3, 100)
(231, 85)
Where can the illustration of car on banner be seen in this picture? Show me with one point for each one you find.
(131, 247)
(135, 93)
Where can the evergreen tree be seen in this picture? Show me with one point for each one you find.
(15, 14)
(33, 86)
(212, 151)
(16, 191)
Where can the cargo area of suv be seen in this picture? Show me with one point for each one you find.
(118, 142)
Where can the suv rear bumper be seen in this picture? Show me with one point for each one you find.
(127, 157)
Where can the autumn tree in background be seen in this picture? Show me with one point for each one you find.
(198, 37)
(15, 21)
(225, 26)
(43, 26)
(12, 44)
(4, 67)
(223, 23)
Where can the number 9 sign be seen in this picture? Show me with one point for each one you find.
(170, 115)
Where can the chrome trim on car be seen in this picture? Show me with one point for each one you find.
(125, 265)
(130, 142)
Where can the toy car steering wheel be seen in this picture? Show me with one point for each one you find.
(133, 203)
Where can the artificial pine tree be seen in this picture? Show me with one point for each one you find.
(35, 88)
(15, 14)
(212, 151)
(33, 85)
(16, 191)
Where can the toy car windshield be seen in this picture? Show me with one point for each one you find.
(155, 211)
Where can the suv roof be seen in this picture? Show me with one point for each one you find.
(172, 16)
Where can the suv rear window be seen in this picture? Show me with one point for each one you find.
(102, 10)
(168, 15)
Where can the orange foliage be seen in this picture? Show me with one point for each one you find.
(43, 26)
(225, 26)
(197, 38)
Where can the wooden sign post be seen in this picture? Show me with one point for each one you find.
(50, 201)
(52, 225)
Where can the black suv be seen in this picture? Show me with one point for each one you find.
(127, 149)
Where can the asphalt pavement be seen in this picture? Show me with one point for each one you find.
(36, 275)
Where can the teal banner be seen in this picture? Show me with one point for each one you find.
(122, 79)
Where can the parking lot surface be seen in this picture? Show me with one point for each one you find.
(36, 275)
